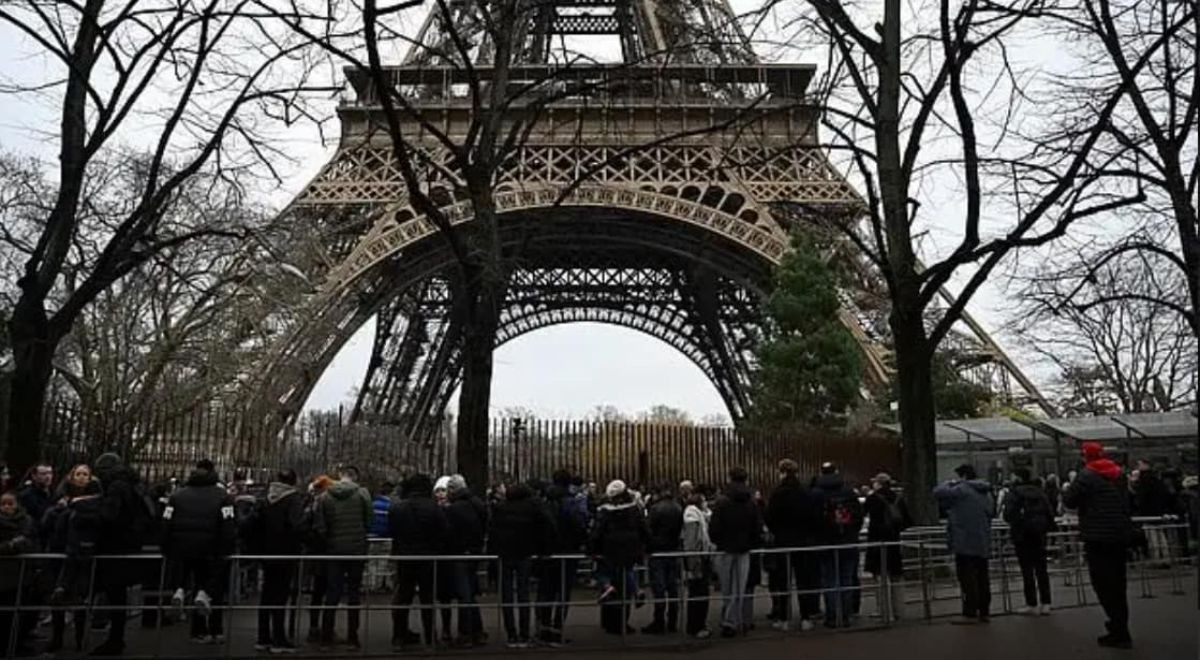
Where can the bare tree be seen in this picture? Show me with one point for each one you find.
(929, 93)
(1123, 352)
(197, 82)
(1152, 49)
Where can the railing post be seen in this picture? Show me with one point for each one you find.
(1005, 592)
(924, 577)
(14, 627)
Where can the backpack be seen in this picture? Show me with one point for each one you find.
(839, 511)
(892, 519)
(1034, 514)
(249, 516)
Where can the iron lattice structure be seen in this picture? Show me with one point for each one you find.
(661, 207)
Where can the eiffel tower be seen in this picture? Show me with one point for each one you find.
(676, 238)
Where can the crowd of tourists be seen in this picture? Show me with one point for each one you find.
(686, 536)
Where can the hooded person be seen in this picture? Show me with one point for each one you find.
(123, 515)
(735, 529)
(967, 501)
(567, 505)
(520, 529)
(199, 531)
(342, 518)
(467, 520)
(619, 538)
(283, 528)
(1098, 494)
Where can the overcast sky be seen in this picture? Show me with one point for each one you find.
(561, 371)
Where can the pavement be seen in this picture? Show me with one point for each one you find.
(1165, 627)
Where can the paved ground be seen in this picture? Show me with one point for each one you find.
(1165, 627)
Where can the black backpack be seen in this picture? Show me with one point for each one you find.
(1034, 513)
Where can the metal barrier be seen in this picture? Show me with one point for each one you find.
(680, 583)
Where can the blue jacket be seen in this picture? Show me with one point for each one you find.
(969, 510)
(379, 524)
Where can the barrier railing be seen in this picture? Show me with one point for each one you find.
(530, 600)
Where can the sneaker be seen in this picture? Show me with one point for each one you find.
(285, 648)
(262, 647)
(781, 626)
(806, 625)
(703, 633)
(203, 603)
(606, 594)
(1044, 609)
(202, 640)
(177, 599)
(513, 643)
(1028, 610)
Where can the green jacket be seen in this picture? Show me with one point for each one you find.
(343, 517)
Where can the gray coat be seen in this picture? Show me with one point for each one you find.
(969, 509)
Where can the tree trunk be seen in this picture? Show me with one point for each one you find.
(474, 402)
(33, 347)
(914, 378)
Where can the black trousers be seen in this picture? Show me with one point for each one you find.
(413, 578)
(697, 604)
(975, 584)
(345, 577)
(277, 586)
(1106, 566)
(1031, 556)
(210, 575)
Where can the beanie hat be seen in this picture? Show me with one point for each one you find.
(615, 487)
(1092, 451)
(442, 483)
(107, 461)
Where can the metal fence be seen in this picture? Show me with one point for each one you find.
(161, 446)
(927, 592)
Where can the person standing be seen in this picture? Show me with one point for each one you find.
(697, 567)
(791, 517)
(282, 530)
(466, 519)
(343, 516)
(317, 571)
(889, 517)
(969, 507)
(735, 529)
(1098, 494)
(122, 514)
(665, 518)
(567, 504)
(1030, 517)
(519, 530)
(842, 519)
(35, 496)
(619, 538)
(417, 525)
(199, 532)
(17, 537)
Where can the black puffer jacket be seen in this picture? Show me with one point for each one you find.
(570, 516)
(520, 527)
(342, 518)
(792, 514)
(283, 525)
(1028, 513)
(466, 516)
(737, 523)
(199, 520)
(665, 519)
(620, 535)
(119, 510)
(418, 526)
(17, 537)
(1103, 507)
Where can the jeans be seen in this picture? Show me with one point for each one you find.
(1031, 556)
(413, 578)
(664, 584)
(555, 578)
(732, 572)
(839, 573)
(464, 578)
(345, 577)
(276, 587)
(1106, 567)
(515, 576)
(976, 585)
